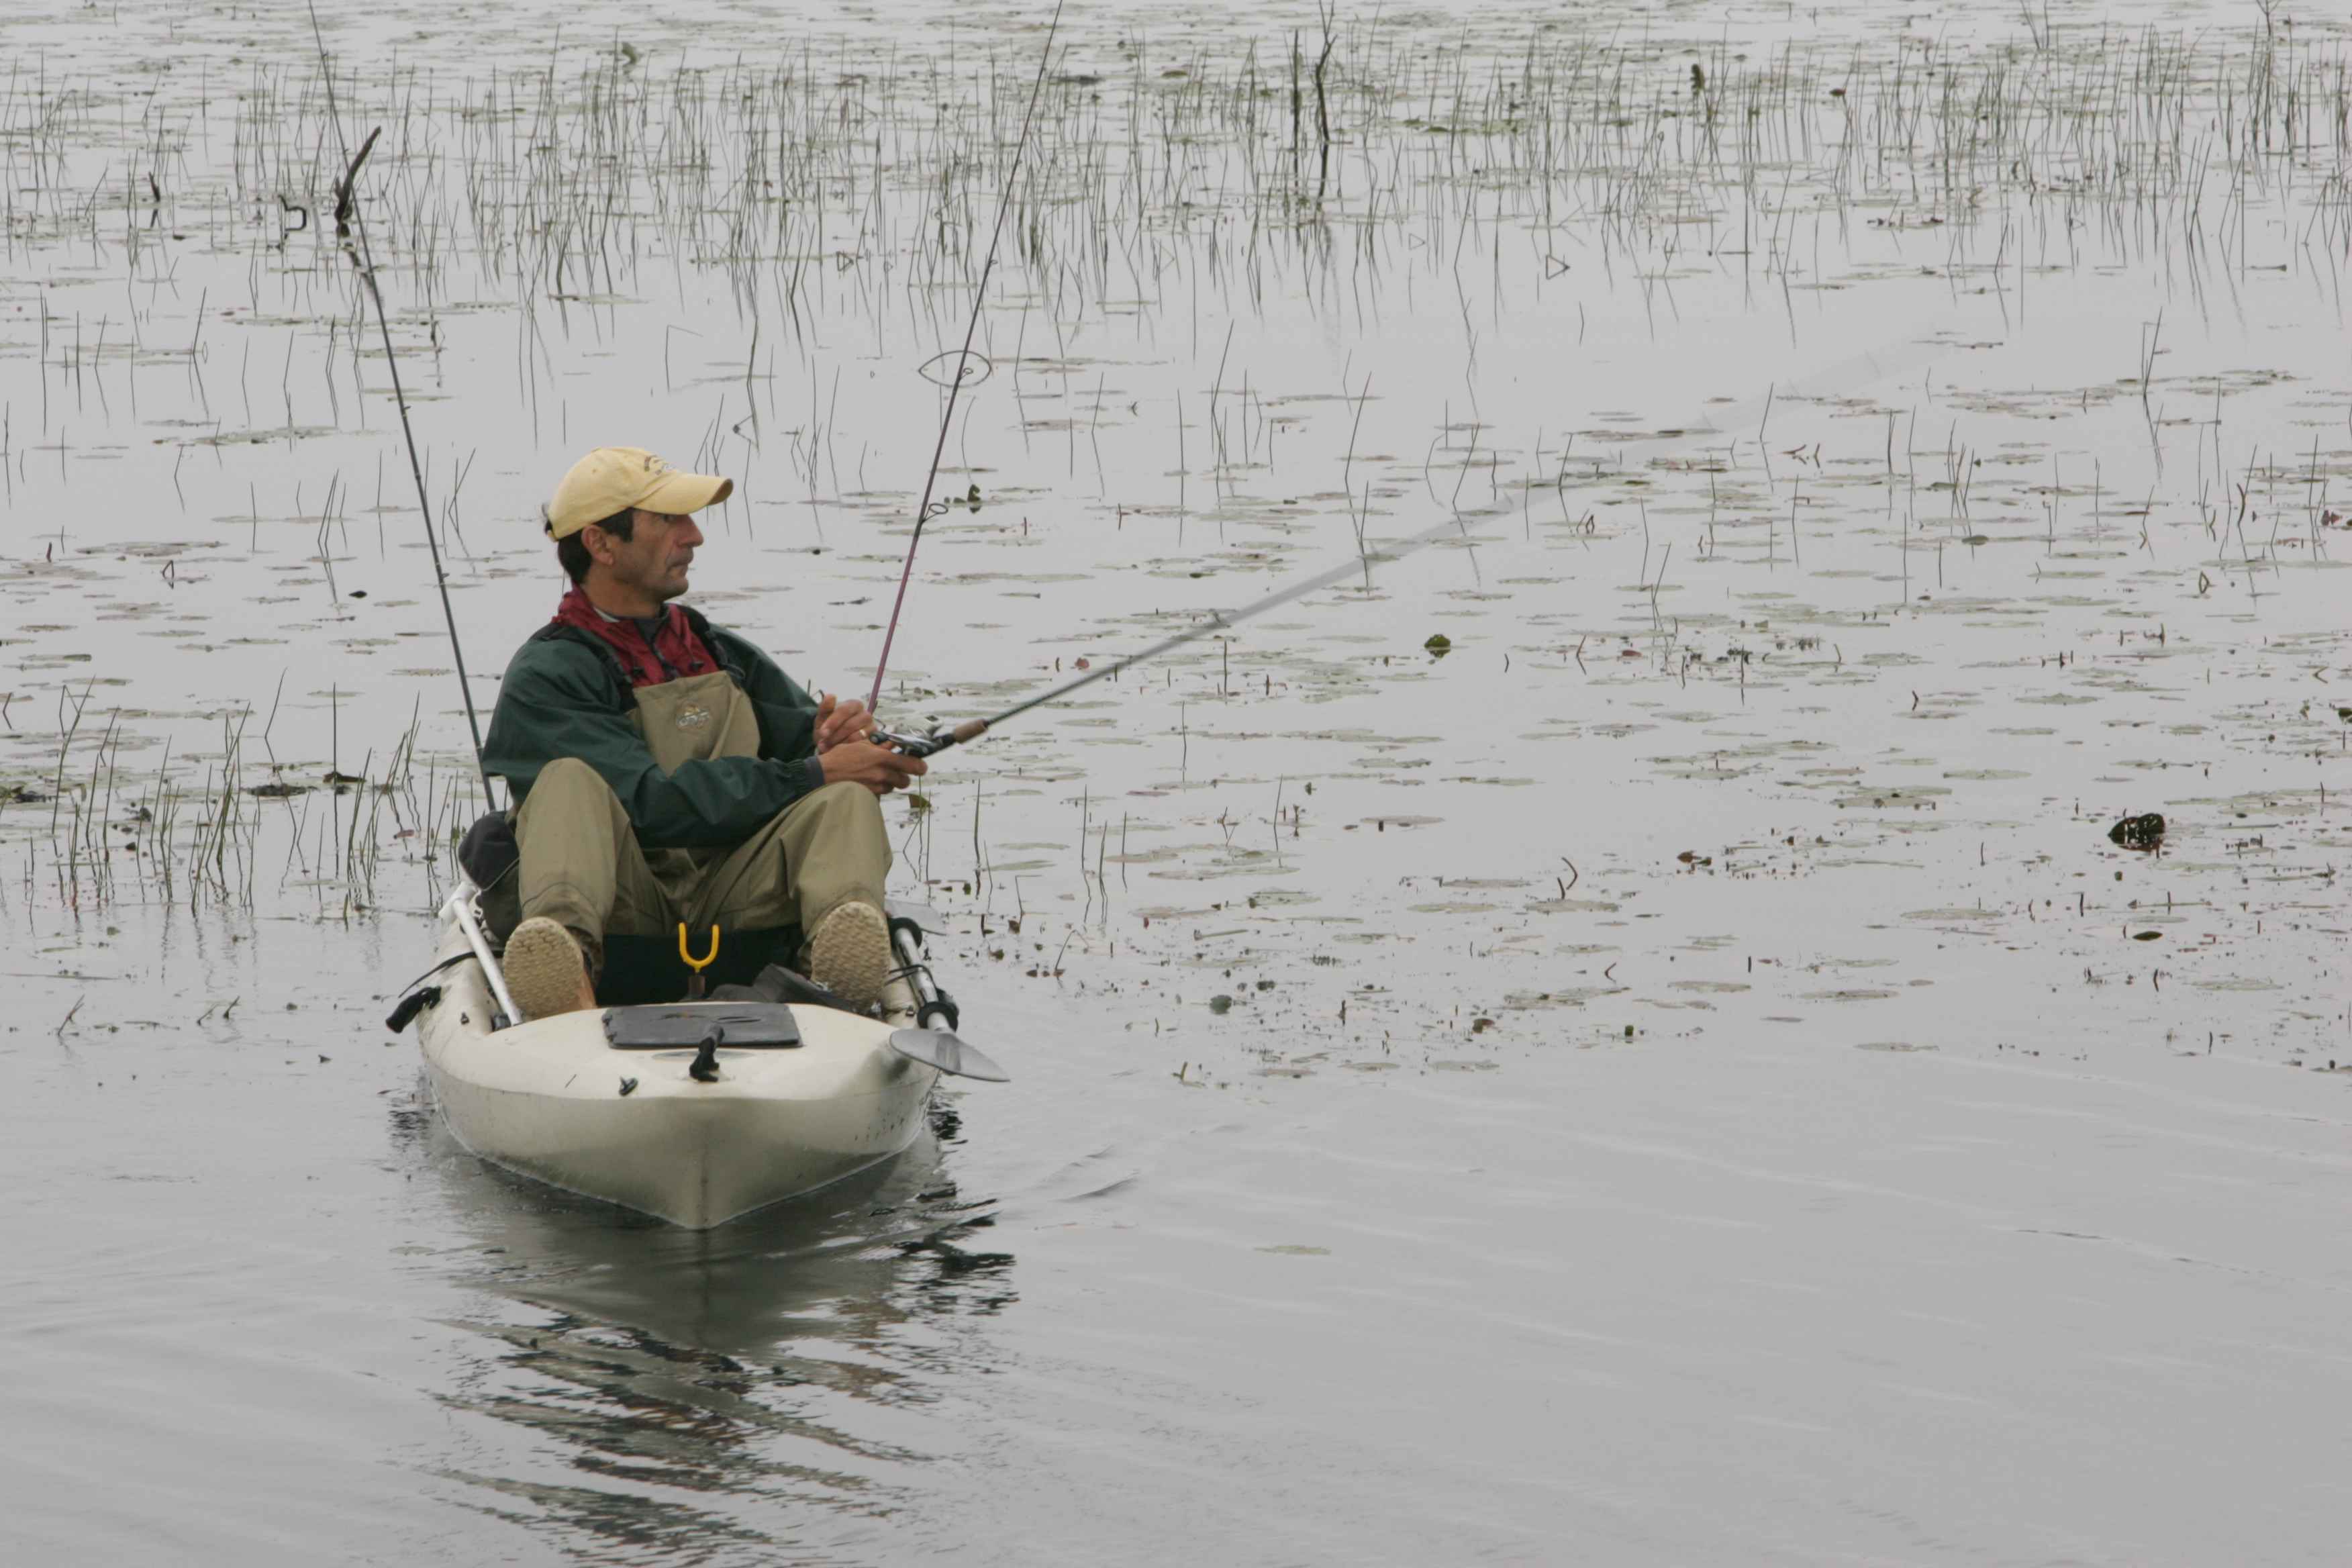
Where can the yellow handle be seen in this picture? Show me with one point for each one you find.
(706, 960)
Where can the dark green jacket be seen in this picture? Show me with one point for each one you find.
(566, 695)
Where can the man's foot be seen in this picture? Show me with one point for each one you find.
(850, 953)
(545, 971)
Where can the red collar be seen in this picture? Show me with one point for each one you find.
(675, 650)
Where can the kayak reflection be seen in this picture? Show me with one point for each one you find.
(685, 1384)
(889, 1245)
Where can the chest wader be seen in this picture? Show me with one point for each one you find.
(582, 866)
(692, 719)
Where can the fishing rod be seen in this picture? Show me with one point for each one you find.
(924, 513)
(348, 205)
(1888, 359)
(939, 739)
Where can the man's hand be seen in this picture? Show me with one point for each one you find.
(839, 721)
(878, 768)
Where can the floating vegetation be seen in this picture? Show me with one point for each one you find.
(1869, 457)
(1594, 302)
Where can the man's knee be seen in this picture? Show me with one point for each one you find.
(846, 799)
(569, 773)
(846, 812)
(843, 823)
(565, 785)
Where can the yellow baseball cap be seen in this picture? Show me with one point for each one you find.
(612, 479)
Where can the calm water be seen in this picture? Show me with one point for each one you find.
(1684, 1076)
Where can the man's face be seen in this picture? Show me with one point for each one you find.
(657, 556)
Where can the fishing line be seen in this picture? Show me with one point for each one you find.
(924, 513)
(366, 262)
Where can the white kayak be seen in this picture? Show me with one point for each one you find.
(655, 1108)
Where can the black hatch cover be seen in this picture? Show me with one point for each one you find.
(682, 1026)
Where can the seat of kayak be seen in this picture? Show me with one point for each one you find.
(645, 968)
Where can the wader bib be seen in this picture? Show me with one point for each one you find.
(581, 865)
(692, 720)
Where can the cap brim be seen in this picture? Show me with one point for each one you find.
(674, 493)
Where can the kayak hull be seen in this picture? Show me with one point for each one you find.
(554, 1100)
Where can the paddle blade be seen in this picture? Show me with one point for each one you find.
(940, 1050)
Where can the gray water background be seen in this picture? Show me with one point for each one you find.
(1684, 1077)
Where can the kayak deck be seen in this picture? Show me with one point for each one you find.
(554, 1099)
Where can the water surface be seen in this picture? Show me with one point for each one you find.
(1684, 1076)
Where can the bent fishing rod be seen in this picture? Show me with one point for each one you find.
(924, 513)
(1894, 358)
(347, 206)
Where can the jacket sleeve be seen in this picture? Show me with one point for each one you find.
(559, 702)
(787, 712)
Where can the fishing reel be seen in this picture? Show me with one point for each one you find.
(938, 740)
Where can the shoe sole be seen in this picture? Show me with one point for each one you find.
(851, 953)
(543, 968)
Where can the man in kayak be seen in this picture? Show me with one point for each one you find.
(665, 771)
